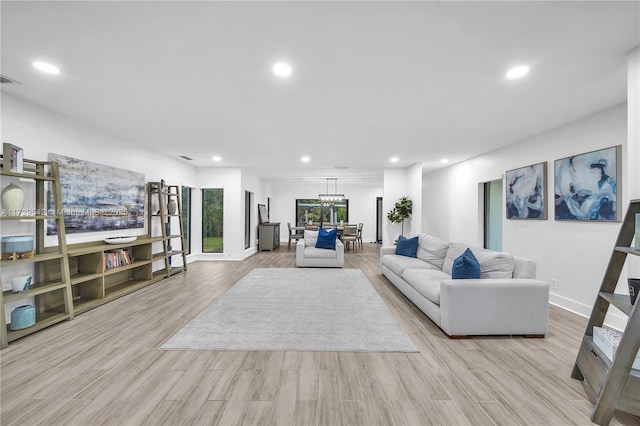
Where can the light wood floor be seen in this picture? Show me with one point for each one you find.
(104, 367)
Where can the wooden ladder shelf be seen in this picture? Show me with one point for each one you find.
(614, 384)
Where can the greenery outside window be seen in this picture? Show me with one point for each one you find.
(186, 217)
(212, 220)
(317, 211)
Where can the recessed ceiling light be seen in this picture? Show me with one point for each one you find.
(45, 67)
(282, 69)
(517, 72)
(305, 159)
(394, 159)
(444, 160)
(216, 158)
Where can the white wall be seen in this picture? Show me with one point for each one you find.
(362, 203)
(573, 253)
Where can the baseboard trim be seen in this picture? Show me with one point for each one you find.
(614, 319)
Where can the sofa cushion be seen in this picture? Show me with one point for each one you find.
(319, 253)
(466, 266)
(407, 246)
(432, 249)
(398, 263)
(310, 238)
(493, 264)
(426, 282)
(327, 239)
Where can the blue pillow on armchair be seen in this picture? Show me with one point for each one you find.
(466, 266)
(327, 239)
(407, 246)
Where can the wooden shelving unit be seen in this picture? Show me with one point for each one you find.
(615, 385)
(43, 289)
(159, 215)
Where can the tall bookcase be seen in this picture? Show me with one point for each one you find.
(52, 295)
(613, 383)
(159, 198)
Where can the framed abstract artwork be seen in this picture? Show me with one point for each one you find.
(97, 197)
(526, 192)
(586, 186)
(12, 158)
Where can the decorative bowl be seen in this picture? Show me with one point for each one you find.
(119, 240)
(17, 244)
(20, 283)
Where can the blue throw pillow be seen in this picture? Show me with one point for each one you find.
(407, 246)
(466, 266)
(327, 239)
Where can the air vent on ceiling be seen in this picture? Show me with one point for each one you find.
(6, 80)
(341, 167)
(186, 158)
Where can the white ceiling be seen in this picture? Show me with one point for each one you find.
(417, 80)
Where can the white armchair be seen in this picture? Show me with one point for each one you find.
(307, 255)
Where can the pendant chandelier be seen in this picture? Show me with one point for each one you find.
(331, 198)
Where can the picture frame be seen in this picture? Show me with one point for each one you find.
(586, 186)
(526, 192)
(12, 156)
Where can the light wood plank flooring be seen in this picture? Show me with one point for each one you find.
(104, 367)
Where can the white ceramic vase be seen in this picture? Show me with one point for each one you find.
(12, 199)
(172, 207)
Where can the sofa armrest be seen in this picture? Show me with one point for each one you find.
(384, 251)
(300, 245)
(494, 306)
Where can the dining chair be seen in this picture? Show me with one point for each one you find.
(293, 234)
(359, 234)
(349, 235)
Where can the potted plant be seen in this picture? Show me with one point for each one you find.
(401, 211)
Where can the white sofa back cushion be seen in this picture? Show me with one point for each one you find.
(493, 264)
(432, 249)
(310, 238)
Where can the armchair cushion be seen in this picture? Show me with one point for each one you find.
(326, 239)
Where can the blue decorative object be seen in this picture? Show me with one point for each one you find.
(326, 239)
(407, 246)
(466, 266)
(22, 317)
(17, 244)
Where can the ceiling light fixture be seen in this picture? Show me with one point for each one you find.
(517, 72)
(216, 158)
(331, 198)
(305, 159)
(394, 159)
(444, 161)
(45, 67)
(282, 69)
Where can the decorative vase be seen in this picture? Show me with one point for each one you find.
(172, 207)
(13, 199)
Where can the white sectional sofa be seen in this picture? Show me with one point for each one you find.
(506, 300)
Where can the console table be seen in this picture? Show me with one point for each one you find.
(268, 236)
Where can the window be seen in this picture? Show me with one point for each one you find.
(212, 220)
(186, 218)
(316, 211)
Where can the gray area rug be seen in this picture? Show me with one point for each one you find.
(296, 310)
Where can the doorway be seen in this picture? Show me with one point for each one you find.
(379, 220)
(493, 215)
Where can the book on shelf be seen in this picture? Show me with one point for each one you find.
(608, 340)
(116, 258)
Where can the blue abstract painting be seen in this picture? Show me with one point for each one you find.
(96, 197)
(526, 193)
(586, 186)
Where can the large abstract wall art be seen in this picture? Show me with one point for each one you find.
(586, 186)
(96, 197)
(526, 193)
